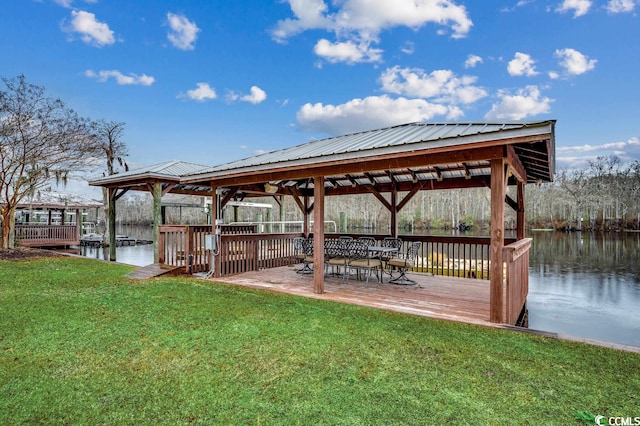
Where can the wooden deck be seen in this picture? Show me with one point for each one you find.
(454, 299)
(152, 271)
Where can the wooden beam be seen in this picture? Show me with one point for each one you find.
(318, 235)
(496, 291)
(516, 165)
(232, 191)
(167, 189)
(378, 195)
(362, 165)
(415, 188)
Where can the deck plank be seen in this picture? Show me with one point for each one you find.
(451, 298)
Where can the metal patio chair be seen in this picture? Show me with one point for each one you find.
(403, 263)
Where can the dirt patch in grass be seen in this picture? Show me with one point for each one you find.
(25, 253)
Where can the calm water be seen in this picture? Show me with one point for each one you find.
(586, 285)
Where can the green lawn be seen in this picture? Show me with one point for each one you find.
(81, 344)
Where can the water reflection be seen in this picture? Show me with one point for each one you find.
(586, 285)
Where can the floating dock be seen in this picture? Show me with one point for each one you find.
(97, 240)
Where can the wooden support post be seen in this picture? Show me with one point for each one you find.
(394, 212)
(157, 218)
(305, 212)
(496, 290)
(318, 234)
(112, 223)
(78, 225)
(520, 215)
(215, 261)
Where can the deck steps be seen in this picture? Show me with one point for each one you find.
(152, 271)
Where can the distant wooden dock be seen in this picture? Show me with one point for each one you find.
(97, 240)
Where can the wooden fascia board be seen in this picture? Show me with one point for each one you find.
(363, 165)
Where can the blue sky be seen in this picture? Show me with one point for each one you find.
(213, 81)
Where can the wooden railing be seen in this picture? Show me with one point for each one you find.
(46, 235)
(464, 257)
(516, 259)
(252, 252)
(184, 246)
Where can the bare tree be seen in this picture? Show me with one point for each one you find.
(40, 139)
(114, 150)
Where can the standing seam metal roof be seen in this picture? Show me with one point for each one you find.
(382, 141)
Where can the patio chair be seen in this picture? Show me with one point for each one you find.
(370, 241)
(403, 263)
(335, 256)
(304, 253)
(360, 261)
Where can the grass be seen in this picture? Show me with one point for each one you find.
(81, 344)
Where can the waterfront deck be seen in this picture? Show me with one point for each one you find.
(450, 298)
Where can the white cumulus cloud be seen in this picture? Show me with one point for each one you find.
(368, 113)
(524, 103)
(472, 61)
(522, 64)
(358, 23)
(579, 7)
(441, 85)
(121, 79)
(574, 62)
(90, 29)
(257, 95)
(201, 93)
(347, 51)
(620, 6)
(183, 33)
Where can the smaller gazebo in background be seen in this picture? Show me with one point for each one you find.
(52, 219)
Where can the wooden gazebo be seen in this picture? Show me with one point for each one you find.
(393, 164)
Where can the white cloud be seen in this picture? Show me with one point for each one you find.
(522, 64)
(524, 103)
(201, 93)
(91, 31)
(472, 61)
(579, 7)
(442, 85)
(357, 23)
(570, 157)
(574, 62)
(348, 52)
(368, 113)
(183, 33)
(121, 79)
(408, 48)
(620, 6)
(68, 3)
(257, 95)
